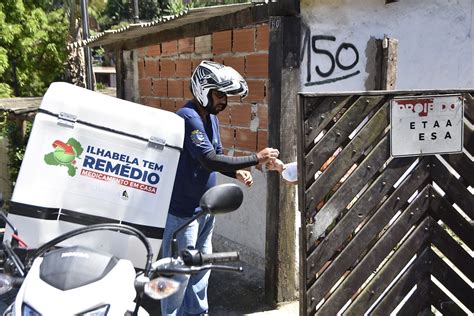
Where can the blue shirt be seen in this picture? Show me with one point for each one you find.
(192, 179)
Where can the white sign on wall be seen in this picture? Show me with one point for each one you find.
(426, 125)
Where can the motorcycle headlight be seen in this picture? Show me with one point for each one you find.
(161, 287)
(99, 311)
(28, 311)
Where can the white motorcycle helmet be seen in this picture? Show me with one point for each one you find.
(211, 75)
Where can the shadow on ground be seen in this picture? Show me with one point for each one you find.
(234, 293)
(231, 293)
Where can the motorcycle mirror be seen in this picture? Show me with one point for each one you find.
(6, 283)
(161, 288)
(223, 198)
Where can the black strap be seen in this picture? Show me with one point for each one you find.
(49, 213)
(108, 129)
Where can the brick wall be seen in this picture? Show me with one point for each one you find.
(164, 71)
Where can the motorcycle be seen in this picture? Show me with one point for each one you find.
(78, 280)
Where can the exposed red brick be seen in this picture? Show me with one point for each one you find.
(238, 63)
(243, 40)
(224, 116)
(183, 68)
(141, 68)
(240, 114)
(144, 87)
(186, 90)
(141, 52)
(203, 44)
(169, 48)
(227, 137)
(256, 65)
(152, 68)
(186, 45)
(168, 105)
(175, 88)
(262, 139)
(160, 87)
(154, 102)
(262, 114)
(153, 51)
(167, 68)
(245, 139)
(195, 63)
(180, 103)
(256, 91)
(239, 153)
(262, 39)
(222, 42)
(233, 99)
(218, 59)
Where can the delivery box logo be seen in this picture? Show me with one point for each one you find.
(65, 154)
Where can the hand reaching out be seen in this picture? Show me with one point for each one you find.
(275, 164)
(245, 177)
(267, 154)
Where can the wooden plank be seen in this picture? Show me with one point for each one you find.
(339, 133)
(321, 111)
(280, 266)
(452, 281)
(370, 199)
(443, 302)
(453, 251)
(417, 272)
(418, 303)
(348, 156)
(469, 138)
(441, 209)
(416, 210)
(463, 165)
(455, 191)
(469, 106)
(389, 63)
(300, 192)
(327, 106)
(419, 238)
(349, 189)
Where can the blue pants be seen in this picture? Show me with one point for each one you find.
(191, 298)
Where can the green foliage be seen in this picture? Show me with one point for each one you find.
(118, 11)
(176, 6)
(16, 140)
(100, 86)
(32, 47)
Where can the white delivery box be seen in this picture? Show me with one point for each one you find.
(92, 159)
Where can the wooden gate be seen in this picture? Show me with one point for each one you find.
(381, 234)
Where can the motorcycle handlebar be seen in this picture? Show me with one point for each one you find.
(220, 257)
(193, 257)
(177, 269)
(192, 261)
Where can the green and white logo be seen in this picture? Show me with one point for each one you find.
(65, 154)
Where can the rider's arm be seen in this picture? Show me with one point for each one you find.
(202, 148)
(226, 164)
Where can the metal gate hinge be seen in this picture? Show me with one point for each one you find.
(156, 142)
(67, 119)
